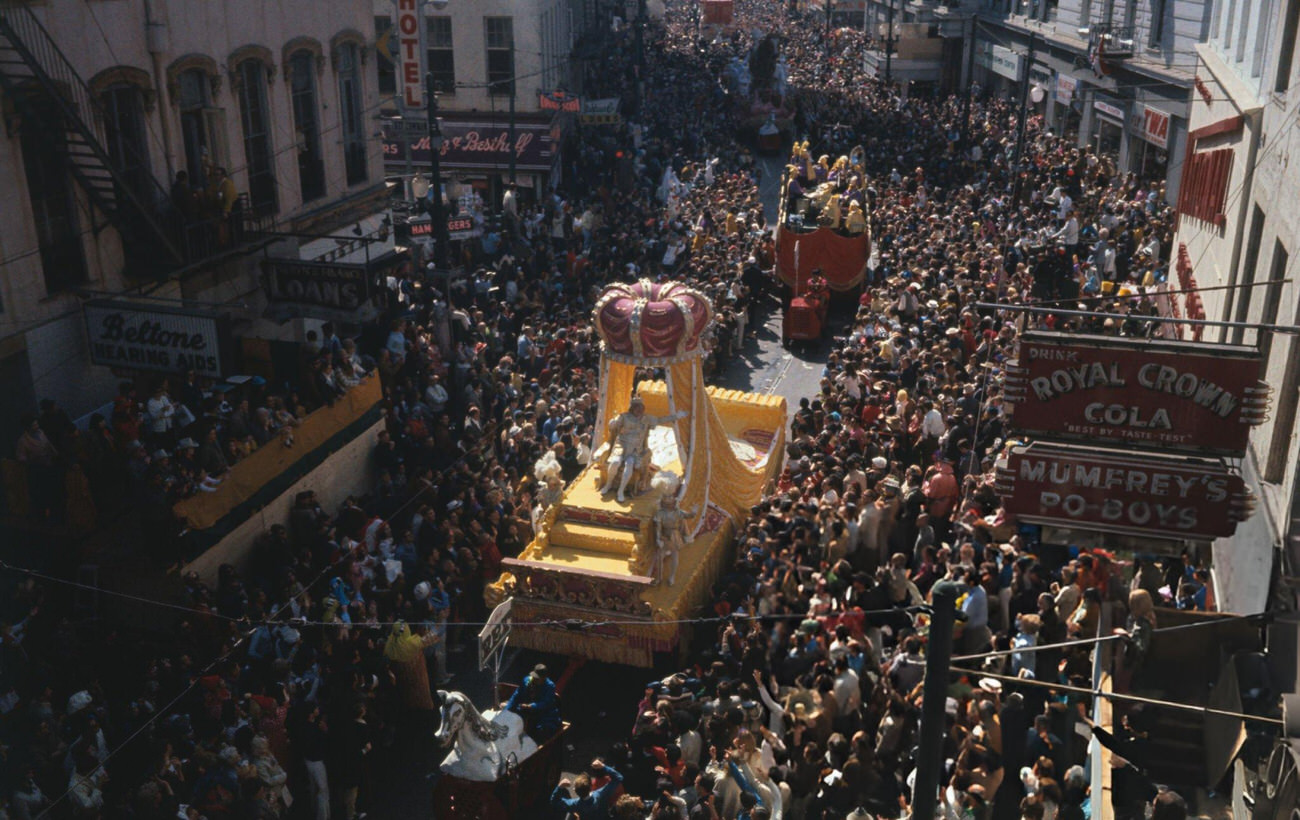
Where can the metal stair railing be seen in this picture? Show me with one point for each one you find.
(22, 35)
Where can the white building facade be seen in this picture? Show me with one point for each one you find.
(1239, 229)
(1117, 74)
(492, 62)
(117, 117)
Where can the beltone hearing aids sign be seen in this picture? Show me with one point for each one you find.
(129, 336)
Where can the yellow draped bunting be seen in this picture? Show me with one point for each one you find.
(265, 463)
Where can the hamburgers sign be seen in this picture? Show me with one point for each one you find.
(1171, 396)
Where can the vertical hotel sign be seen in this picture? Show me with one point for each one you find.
(410, 53)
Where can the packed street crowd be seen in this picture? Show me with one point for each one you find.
(279, 691)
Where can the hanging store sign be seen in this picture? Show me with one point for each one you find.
(559, 101)
(131, 336)
(1155, 126)
(1006, 63)
(1176, 396)
(1109, 109)
(1065, 88)
(1144, 495)
(458, 227)
(601, 112)
(317, 284)
(477, 145)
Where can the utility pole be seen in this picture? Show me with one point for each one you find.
(938, 656)
(439, 217)
(970, 84)
(1024, 120)
(889, 47)
(639, 32)
(513, 89)
(828, 26)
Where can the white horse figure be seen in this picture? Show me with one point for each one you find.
(483, 745)
(727, 790)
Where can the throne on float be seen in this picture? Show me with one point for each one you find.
(588, 562)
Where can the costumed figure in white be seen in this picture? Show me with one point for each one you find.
(630, 453)
(547, 471)
(483, 745)
(670, 528)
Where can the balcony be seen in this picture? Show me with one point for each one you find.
(1116, 43)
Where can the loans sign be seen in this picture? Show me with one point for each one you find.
(332, 285)
(1144, 495)
(1170, 396)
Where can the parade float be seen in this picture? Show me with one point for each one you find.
(493, 770)
(758, 84)
(629, 552)
(813, 238)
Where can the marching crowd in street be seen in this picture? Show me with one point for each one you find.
(275, 695)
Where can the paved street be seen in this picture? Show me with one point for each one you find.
(600, 699)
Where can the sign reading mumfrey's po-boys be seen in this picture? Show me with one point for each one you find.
(1161, 395)
(1147, 495)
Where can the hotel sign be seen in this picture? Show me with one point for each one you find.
(1170, 396)
(410, 55)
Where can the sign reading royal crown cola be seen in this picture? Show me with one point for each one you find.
(1168, 396)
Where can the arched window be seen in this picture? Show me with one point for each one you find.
(306, 125)
(203, 125)
(351, 113)
(255, 116)
(126, 136)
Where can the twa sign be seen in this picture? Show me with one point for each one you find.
(1135, 495)
(1155, 127)
(1170, 396)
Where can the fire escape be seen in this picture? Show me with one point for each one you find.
(48, 95)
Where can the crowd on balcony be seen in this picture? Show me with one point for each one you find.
(272, 696)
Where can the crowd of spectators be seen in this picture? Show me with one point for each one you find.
(165, 440)
(271, 695)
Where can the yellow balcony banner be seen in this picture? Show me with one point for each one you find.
(203, 510)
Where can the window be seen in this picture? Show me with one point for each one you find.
(203, 126)
(385, 42)
(350, 114)
(54, 204)
(1280, 446)
(1272, 298)
(1231, 18)
(1247, 275)
(1288, 396)
(1243, 29)
(125, 141)
(499, 40)
(306, 125)
(1156, 28)
(441, 55)
(1261, 38)
(1284, 57)
(258, 158)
